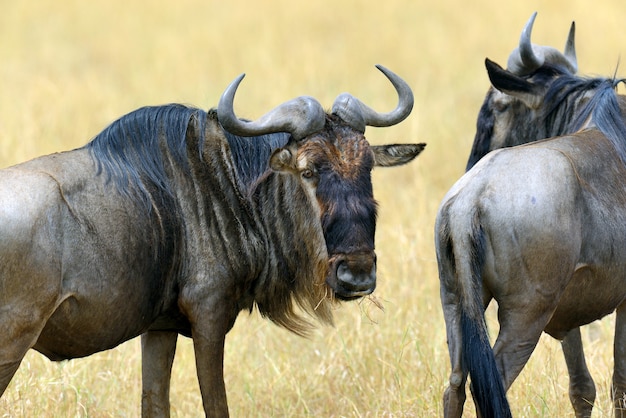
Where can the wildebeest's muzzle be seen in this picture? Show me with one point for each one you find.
(352, 276)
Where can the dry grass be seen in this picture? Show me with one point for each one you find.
(68, 68)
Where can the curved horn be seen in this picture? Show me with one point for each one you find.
(300, 117)
(358, 115)
(527, 58)
(523, 59)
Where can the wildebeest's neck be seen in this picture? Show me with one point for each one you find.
(571, 101)
(568, 104)
(228, 206)
(289, 253)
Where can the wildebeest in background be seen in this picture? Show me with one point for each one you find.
(497, 130)
(170, 221)
(537, 227)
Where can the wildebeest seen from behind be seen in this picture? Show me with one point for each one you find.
(496, 129)
(537, 227)
(173, 220)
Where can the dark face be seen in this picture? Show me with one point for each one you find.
(337, 164)
(503, 121)
(513, 112)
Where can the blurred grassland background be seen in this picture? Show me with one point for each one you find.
(68, 68)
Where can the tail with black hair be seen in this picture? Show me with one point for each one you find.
(462, 278)
(485, 379)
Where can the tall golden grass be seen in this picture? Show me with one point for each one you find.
(68, 68)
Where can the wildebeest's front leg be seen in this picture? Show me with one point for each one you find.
(619, 354)
(209, 351)
(582, 391)
(520, 329)
(157, 355)
(211, 316)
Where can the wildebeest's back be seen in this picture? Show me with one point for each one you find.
(75, 248)
(551, 208)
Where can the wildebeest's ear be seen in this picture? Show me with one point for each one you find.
(508, 83)
(282, 159)
(395, 154)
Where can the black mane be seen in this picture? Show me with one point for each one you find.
(130, 150)
(251, 155)
(602, 107)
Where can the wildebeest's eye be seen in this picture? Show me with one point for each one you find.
(308, 173)
(500, 106)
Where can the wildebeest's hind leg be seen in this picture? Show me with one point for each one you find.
(582, 391)
(460, 260)
(157, 355)
(20, 330)
(619, 354)
(454, 395)
(520, 329)
(7, 370)
(23, 315)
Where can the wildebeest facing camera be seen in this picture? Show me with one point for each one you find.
(173, 220)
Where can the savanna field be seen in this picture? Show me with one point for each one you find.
(69, 68)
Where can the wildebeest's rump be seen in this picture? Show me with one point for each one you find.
(538, 227)
(173, 220)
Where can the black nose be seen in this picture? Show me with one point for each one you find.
(354, 276)
(356, 281)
